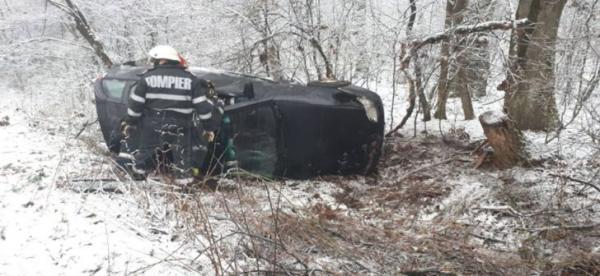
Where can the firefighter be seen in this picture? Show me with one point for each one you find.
(162, 106)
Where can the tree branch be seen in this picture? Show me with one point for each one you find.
(61, 7)
(84, 28)
(53, 39)
(567, 227)
(328, 70)
(463, 30)
(577, 180)
(417, 44)
(314, 42)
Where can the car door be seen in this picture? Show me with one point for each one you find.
(256, 136)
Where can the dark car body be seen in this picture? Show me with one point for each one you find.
(277, 129)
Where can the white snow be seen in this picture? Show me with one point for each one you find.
(47, 227)
(493, 117)
(49, 230)
(46, 220)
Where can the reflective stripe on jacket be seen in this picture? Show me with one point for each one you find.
(168, 87)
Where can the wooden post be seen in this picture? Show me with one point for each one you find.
(506, 140)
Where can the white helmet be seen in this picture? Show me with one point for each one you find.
(164, 52)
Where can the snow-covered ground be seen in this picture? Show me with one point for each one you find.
(50, 226)
(427, 209)
(46, 228)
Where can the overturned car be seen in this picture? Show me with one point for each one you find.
(272, 129)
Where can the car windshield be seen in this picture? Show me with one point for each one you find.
(113, 87)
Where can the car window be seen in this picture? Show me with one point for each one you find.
(113, 88)
(256, 140)
(131, 90)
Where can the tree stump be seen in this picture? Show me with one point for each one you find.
(504, 138)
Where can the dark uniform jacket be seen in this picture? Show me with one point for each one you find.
(168, 87)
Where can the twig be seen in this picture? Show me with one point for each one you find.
(424, 167)
(486, 238)
(425, 272)
(44, 39)
(276, 244)
(481, 146)
(481, 159)
(577, 180)
(276, 272)
(567, 227)
(55, 174)
(86, 125)
(501, 209)
(409, 109)
(95, 180)
(108, 268)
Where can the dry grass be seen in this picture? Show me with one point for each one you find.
(375, 225)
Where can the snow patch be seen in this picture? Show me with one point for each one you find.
(493, 117)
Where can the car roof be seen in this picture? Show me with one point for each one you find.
(127, 72)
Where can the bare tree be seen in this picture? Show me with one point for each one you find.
(529, 86)
(474, 58)
(306, 25)
(448, 34)
(454, 17)
(270, 56)
(414, 82)
(84, 29)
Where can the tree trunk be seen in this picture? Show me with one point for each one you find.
(530, 83)
(412, 94)
(478, 66)
(442, 85)
(359, 35)
(464, 92)
(454, 17)
(462, 83)
(472, 65)
(418, 84)
(474, 57)
(421, 90)
(84, 29)
(504, 138)
(406, 55)
(270, 57)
